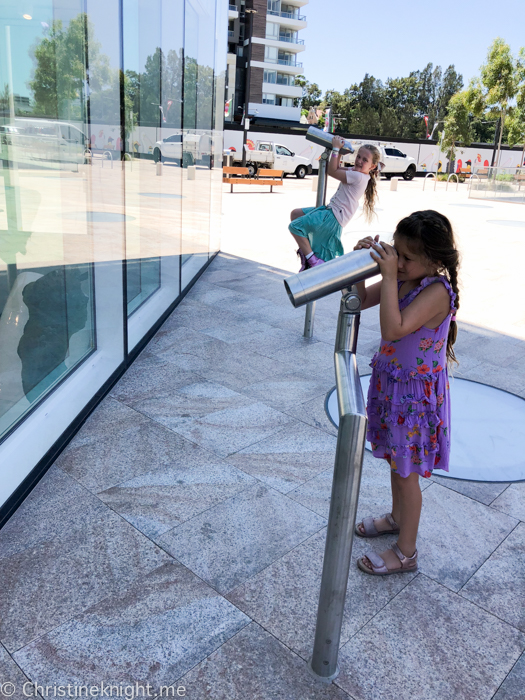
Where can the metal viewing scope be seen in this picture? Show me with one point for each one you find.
(333, 276)
(324, 139)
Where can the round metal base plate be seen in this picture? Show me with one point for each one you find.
(486, 426)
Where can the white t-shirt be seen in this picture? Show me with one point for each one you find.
(345, 201)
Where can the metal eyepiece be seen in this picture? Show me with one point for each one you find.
(332, 276)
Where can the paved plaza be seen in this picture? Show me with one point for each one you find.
(178, 539)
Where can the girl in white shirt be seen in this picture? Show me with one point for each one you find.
(317, 230)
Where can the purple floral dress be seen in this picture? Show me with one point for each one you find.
(408, 399)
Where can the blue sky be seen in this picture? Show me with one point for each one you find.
(389, 38)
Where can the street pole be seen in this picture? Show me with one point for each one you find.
(246, 120)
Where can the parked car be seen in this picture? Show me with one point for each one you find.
(396, 162)
(274, 156)
(184, 148)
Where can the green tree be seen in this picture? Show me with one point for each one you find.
(311, 92)
(60, 78)
(497, 85)
(458, 124)
(516, 121)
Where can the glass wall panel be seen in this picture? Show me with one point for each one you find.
(61, 225)
(111, 119)
(199, 59)
(153, 74)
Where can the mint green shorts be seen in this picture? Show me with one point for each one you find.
(322, 229)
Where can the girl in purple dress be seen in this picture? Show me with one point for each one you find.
(408, 400)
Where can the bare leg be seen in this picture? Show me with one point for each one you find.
(302, 242)
(407, 492)
(382, 524)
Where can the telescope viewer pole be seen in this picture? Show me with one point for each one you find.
(309, 316)
(351, 438)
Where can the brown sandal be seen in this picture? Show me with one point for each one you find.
(370, 529)
(379, 568)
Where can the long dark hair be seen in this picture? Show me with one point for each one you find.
(430, 234)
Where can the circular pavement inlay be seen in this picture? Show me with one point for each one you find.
(474, 206)
(506, 222)
(486, 427)
(98, 216)
(167, 195)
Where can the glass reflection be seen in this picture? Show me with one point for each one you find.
(110, 156)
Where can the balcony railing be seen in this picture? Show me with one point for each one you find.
(287, 39)
(231, 34)
(290, 39)
(283, 62)
(288, 15)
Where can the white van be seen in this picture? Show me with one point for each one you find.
(46, 140)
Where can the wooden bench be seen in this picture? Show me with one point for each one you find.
(482, 173)
(463, 172)
(241, 176)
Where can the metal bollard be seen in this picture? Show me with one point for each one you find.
(350, 449)
(158, 170)
(393, 184)
(307, 286)
(191, 172)
(322, 178)
(315, 180)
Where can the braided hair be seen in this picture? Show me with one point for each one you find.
(371, 188)
(430, 234)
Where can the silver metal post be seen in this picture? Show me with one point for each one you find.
(345, 491)
(309, 316)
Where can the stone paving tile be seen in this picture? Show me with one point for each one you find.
(429, 644)
(44, 512)
(241, 536)
(456, 535)
(261, 285)
(289, 457)
(209, 293)
(149, 376)
(218, 275)
(492, 348)
(484, 492)
(181, 340)
(11, 673)
(152, 632)
(498, 376)
(499, 585)
(312, 412)
(375, 497)
(159, 501)
(512, 501)
(225, 364)
(192, 314)
(47, 584)
(513, 685)
(253, 665)
(288, 389)
(284, 597)
(30, 526)
(253, 310)
(194, 400)
(274, 342)
(232, 429)
(112, 457)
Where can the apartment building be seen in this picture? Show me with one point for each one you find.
(264, 51)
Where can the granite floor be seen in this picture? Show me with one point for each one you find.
(178, 540)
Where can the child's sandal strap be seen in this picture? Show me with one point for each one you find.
(391, 521)
(405, 561)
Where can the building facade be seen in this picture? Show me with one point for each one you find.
(97, 241)
(264, 52)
